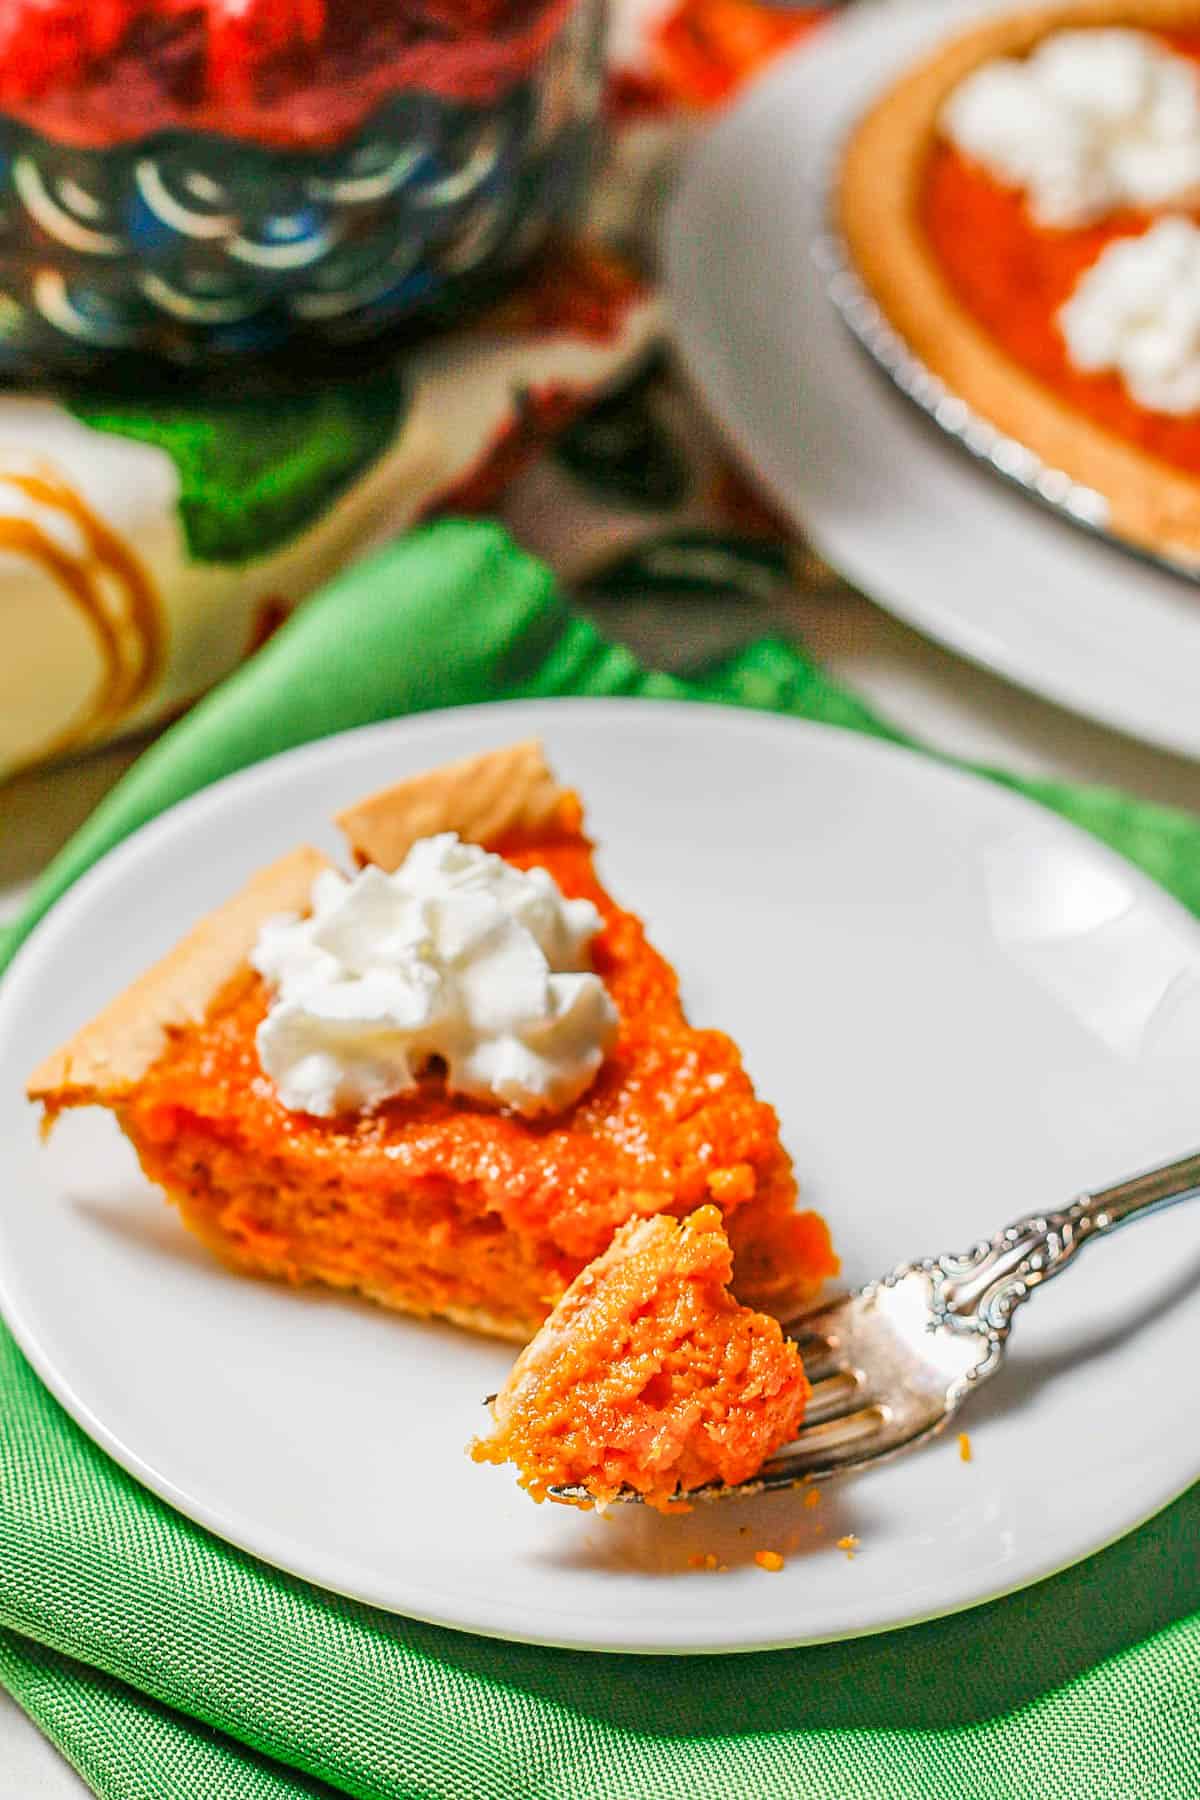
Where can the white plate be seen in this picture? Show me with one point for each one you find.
(962, 1009)
(901, 511)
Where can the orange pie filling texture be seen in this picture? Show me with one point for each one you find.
(649, 1375)
(1013, 276)
(441, 1205)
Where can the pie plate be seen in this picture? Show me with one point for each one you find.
(948, 542)
(962, 1008)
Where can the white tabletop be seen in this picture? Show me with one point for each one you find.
(30, 1767)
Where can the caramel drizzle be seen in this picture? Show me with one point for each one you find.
(129, 635)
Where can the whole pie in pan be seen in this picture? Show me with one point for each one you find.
(1024, 206)
(432, 1201)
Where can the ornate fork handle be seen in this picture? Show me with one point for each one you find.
(980, 1290)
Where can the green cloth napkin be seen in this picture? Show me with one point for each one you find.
(169, 1666)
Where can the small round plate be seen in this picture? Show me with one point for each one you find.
(942, 541)
(962, 1008)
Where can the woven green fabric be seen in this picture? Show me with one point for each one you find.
(167, 1664)
(126, 1746)
(252, 477)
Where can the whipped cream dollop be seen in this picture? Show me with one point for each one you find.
(1090, 121)
(1136, 311)
(457, 956)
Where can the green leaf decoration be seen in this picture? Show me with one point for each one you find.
(255, 473)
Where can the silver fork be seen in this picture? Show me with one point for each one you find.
(892, 1363)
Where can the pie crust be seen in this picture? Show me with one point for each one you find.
(1150, 504)
(498, 797)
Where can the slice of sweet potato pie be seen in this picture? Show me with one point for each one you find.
(445, 1079)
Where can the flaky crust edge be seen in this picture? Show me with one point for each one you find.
(110, 1054)
(1151, 505)
(487, 799)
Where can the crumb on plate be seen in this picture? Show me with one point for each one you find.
(964, 1447)
(769, 1559)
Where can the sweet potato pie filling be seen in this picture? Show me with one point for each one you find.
(440, 1205)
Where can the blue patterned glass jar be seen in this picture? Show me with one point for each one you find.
(203, 248)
